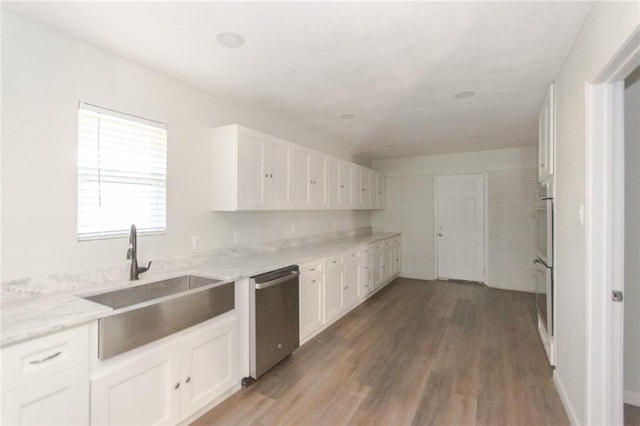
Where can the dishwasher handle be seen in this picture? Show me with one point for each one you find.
(293, 274)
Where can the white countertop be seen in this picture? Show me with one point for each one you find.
(46, 311)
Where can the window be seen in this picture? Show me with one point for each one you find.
(122, 174)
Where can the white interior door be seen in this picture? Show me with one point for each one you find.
(460, 227)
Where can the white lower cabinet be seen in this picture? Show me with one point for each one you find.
(333, 294)
(168, 383)
(376, 267)
(62, 399)
(350, 287)
(311, 306)
(46, 380)
(364, 277)
(145, 391)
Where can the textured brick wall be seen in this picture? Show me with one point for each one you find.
(512, 229)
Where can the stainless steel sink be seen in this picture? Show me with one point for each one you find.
(148, 312)
(130, 296)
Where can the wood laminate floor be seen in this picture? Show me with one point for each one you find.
(631, 415)
(417, 352)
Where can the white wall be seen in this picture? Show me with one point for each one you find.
(44, 76)
(607, 27)
(512, 228)
(512, 185)
(632, 240)
(409, 210)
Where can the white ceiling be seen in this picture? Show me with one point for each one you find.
(395, 65)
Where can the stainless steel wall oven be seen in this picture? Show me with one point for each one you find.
(544, 257)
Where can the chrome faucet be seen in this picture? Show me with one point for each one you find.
(132, 253)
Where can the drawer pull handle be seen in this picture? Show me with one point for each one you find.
(313, 281)
(312, 269)
(47, 358)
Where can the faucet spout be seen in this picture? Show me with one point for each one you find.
(132, 254)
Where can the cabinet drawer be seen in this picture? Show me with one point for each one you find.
(37, 359)
(350, 256)
(333, 262)
(311, 267)
(365, 251)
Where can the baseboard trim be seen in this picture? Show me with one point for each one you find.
(565, 400)
(632, 398)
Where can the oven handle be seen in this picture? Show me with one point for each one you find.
(277, 281)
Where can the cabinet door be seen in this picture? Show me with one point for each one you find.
(334, 186)
(376, 270)
(317, 179)
(333, 294)
(252, 176)
(365, 189)
(347, 175)
(350, 284)
(144, 391)
(300, 181)
(62, 399)
(379, 202)
(386, 263)
(546, 136)
(310, 304)
(278, 169)
(209, 364)
(364, 277)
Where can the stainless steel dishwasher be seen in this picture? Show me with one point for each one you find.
(274, 324)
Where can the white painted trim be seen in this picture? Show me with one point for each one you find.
(604, 198)
(565, 400)
(435, 226)
(485, 189)
(632, 398)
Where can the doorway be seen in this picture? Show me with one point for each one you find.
(460, 233)
(606, 236)
(631, 342)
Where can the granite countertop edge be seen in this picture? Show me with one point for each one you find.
(29, 317)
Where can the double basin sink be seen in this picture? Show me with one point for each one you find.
(148, 312)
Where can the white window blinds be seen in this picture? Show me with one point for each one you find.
(122, 174)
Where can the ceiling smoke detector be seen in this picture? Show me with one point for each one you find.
(464, 95)
(231, 40)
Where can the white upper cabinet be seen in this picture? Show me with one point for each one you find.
(347, 178)
(251, 170)
(308, 179)
(333, 183)
(365, 189)
(546, 136)
(378, 195)
(340, 178)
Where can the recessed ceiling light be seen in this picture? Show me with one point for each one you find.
(231, 40)
(348, 116)
(464, 95)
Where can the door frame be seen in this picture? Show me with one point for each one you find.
(485, 196)
(604, 234)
